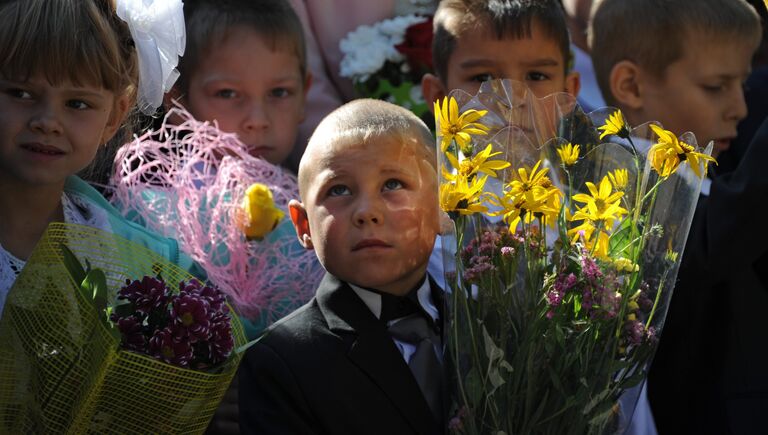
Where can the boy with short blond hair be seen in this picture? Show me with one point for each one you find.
(522, 40)
(349, 360)
(683, 63)
(245, 67)
(678, 62)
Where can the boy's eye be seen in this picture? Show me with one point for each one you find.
(19, 93)
(392, 184)
(481, 77)
(338, 190)
(536, 76)
(279, 92)
(713, 88)
(226, 93)
(77, 104)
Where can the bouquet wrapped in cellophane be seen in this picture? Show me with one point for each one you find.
(137, 346)
(228, 210)
(568, 234)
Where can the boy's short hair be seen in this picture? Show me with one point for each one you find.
(362, 120)
(504, 18)
(75, 40)
(651, 33)
(207, 22)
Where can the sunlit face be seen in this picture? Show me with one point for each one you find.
(373, 212)
(702, 91)
(49, 132)
(252, 90)
(536, 61)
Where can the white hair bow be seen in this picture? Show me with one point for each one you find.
(157, 28)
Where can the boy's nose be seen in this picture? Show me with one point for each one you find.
(367, 212)
(738, 107)
(255, 118)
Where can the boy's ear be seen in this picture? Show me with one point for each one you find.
(300, 223)
(573, 83)
(432, 88)
(116, 118)
(626, 83)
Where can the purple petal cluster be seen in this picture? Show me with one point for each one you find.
(189, 329)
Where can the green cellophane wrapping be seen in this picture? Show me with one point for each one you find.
(60, 368)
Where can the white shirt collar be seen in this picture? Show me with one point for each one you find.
(373, 300)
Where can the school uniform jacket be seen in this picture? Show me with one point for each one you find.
(331, 367)
(710, 373)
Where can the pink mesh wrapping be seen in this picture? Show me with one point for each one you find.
(176, 182)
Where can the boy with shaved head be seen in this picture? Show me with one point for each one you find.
(364, 355)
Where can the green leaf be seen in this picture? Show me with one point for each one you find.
(95, 284)
(72, 264)
(474, 386)
(492, 351)
(619, 243)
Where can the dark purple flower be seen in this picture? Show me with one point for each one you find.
(221, 342)
(132, 330)
(191, 311)
(172, 346)
(634, 331)
(146, 295)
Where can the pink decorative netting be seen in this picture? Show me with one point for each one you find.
(187, 181)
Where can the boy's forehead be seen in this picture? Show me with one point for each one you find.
(475, 38)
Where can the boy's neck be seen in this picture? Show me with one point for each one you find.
(25, 212)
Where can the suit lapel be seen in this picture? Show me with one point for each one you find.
(374, 352)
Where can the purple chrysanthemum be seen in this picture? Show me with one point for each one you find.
(172, 346)
(146, 295)
(191, 311)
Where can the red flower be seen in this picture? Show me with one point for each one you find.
(417, 46)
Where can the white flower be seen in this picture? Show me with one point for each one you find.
(367, 48)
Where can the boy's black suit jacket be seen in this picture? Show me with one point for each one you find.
(710, 372)
(331, 367)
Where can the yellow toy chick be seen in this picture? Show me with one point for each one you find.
(260, 214)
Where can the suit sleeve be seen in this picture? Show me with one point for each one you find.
(271, 401)
(727, 230)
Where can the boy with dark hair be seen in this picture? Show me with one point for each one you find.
(480, 40)
(245, 67)
(683, 63)
(365, 354)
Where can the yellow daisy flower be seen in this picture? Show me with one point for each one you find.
(569, 154)
(459, 127)
(667, 154)
(480, 162)
(601, 205)
(615, 124)
(462, 195)
(529, 197)
(601, 208)
(619, 179)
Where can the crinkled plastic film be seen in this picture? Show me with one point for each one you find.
(61, 370)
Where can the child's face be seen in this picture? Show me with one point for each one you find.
(372, 212)
(536, 61)
(48, 132)
(701, 92)
(250, 90)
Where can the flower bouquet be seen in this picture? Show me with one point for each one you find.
(386, 60)
(568, 235)
(110, 347)
(199, 185)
